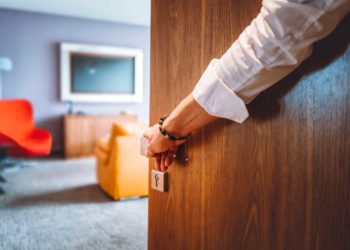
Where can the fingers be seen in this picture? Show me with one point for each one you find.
(157, 161)
(162, 163)
(164, 160)
(170, 158)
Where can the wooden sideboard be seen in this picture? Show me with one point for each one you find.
(81, 132)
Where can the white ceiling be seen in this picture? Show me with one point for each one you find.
(124, 11)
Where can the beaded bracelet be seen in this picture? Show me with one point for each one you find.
(168, 136)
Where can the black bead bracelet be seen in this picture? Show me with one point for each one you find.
(168, 136)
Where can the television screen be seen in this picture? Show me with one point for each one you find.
(96, 74)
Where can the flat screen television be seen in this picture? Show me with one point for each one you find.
(92, 73)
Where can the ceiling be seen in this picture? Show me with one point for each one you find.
(123, 11)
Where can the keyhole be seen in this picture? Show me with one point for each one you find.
(156, 178)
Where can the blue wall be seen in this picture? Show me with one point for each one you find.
(31, 41)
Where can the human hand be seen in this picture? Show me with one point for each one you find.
(163, 149)
(186, 118)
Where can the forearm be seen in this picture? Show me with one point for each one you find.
(275, 43)
(187, 117)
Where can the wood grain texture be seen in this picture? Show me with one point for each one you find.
(81, 132)
(281, 180)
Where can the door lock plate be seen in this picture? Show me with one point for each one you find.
(159, 180)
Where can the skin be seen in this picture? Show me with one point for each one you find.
(186, 118)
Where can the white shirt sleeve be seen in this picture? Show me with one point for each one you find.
(273, 45)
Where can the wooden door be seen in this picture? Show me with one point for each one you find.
(281, 180)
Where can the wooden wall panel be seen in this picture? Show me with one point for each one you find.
(281, 180)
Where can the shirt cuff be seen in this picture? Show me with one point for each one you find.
(217, 99)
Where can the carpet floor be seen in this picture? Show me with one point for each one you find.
(56, 204)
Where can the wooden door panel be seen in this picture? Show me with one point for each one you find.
(281, 180)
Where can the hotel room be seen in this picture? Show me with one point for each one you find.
(174, 124)
(75, 86)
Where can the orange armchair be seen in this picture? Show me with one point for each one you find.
(121, 171)
(17, 131)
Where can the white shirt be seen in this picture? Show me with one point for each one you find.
(273, 45)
